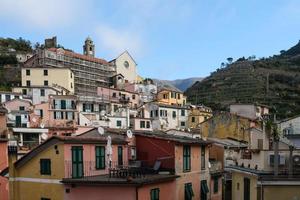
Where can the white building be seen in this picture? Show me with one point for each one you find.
(251, 111)
(126, 66)
(165, 117)
(7, 96)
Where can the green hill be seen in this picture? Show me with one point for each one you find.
(273, 81)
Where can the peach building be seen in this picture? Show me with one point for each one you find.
(3, 166)
(184, 157)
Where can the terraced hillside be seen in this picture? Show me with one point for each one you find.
(274, 81)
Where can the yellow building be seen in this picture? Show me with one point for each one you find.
(251, 184)
(171, 97)
(53, 77)
(27, 181)
(227, 125)
(197, 115)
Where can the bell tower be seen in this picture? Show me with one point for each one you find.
(89, 47)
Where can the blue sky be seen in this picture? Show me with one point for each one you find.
(169, 39)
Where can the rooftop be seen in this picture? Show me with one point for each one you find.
(107, 180)
(164, 136)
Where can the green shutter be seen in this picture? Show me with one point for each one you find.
(77, 162)
(100, 157)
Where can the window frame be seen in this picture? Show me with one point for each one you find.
(154, 194)
(186, 158)
(100, 157)
(45, 162)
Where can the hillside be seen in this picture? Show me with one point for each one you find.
(181, 84)
(273, 81)
(10, 71)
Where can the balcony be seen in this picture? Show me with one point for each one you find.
(215, 167)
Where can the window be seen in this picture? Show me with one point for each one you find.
(42, 92)
(216, 184)
(186, 158)
(174, 114)
(148, 124)
(154, 194)
(120, 155)
(43, 198)
(41, 113)
(45, 166)
(45, 83)
(161, 113)
(165, 96)
(24, 91)
(63, 104)
(71, 85)
(173, 94)
(133, 153)
(71, 75)
(142, 124)
(100, 157)
(204, 190)
(203, 157)
(17, 97)
(21, 108)
(246, 189)
(7, 97)
(182, 123)
(188, 191)
(28, 83)
(115, 108)
(77, 162)
(193, 119)
(45, 72)
(182, 112)
(133, 96)
(119, 123)
(114, 95)
(27, 72)
(178, 96)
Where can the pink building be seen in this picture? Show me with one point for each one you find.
(186, 157)
(119, 96)
(3, 166)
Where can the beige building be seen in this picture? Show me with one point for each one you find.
(126, 66)
(197, 115)
(53, 77)
(171, 97)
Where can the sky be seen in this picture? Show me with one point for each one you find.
(169, 39)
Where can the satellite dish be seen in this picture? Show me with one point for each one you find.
(42, 125)
(101, 130)
(44, 136)
(34, 119)
(129, 134)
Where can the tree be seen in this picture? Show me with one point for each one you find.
(229, 60)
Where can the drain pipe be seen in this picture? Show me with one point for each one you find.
(291, 148)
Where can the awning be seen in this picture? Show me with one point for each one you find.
(204, 187)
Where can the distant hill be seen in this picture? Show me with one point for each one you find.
(181, 84)
(274, 81)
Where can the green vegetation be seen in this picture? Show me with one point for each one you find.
(19, 45)
(273, 81)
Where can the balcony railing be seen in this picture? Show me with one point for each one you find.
(88, 169)
(215, 166)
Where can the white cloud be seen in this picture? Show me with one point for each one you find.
(40, 14)
(117, 40)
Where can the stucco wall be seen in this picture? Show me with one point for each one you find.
(129, 73)
(100, 193)
(281, 192)
(238, 191)
(3, 165)
(60, 76)
(33, 185)
(165, 191)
